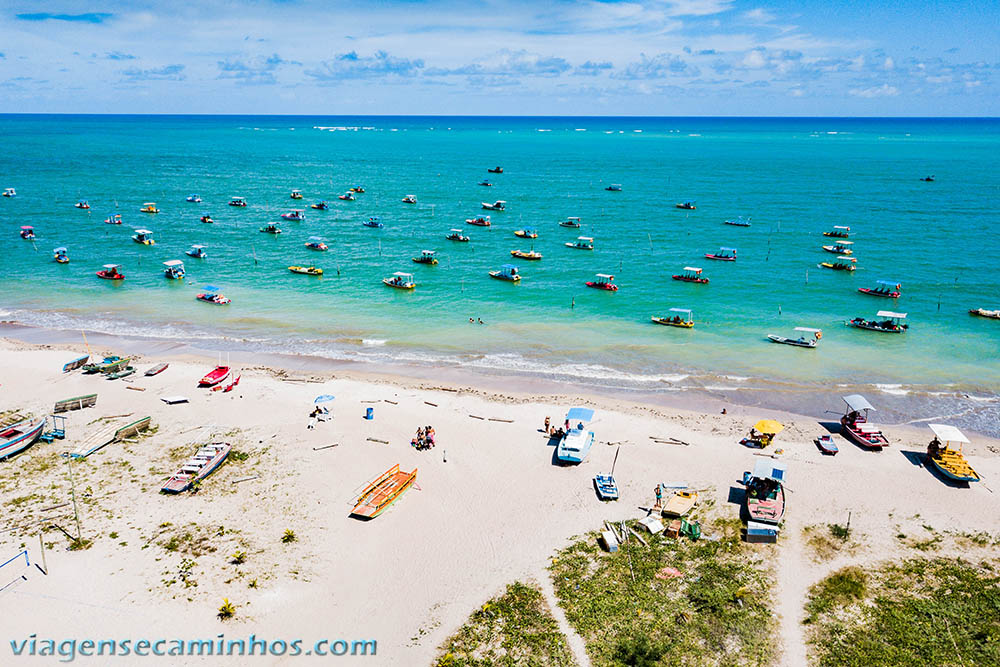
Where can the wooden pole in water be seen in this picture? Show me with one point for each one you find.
(572, 303)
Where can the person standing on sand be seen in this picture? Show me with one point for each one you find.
(659, 497)
(548, 427)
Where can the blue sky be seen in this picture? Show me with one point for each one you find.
(555, 57)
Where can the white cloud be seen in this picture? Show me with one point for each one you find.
(885, 90)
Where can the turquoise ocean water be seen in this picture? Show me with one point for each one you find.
(795, 177)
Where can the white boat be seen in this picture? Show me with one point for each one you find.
(9, 192)
(143, 236)
(582, 243)
(193, 198)
(174, 269)
(410, 199)
(197, 251)
(578, 439)
(498, 205)
(801, 341)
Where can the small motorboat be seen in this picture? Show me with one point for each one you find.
(691, 274)
(295, 215)
(83, 204)
(27, 232)
(239, 202)
(840, 248)
(316, 243)
(838, 232)
(578, 439)
(927, 179)
(724, 255)
(114, 219)
(495, 170)
(111, 272)
(410, 199)
(739, 221)
(571, 222)
(682, 318)
(205, 461)
(60, 255)
(686, 205)
(507, 272)
(842, 263)
(296, 194)
(196, 251)
(526, 233)
(143, 237)
(149, 207)
(801, 341)
(947, 458)
(400, 280)
(988, 314)
(347, 196)
(207, 218)
(478, 222)
(193, 198)
(271, 229)
(581, 243)
(827, 445)
(885, 321)
(498, 205)
(486, 183)
(765, 493)
(529, 255)
(614, 187)
(603, 281)
(174, 269)
(156, 370)
(320, 206)
(373, 222)
(9, 192)
(682, 502)
(856, 427)
(888, 289)
(211, 295)
(426, 257)
(306, 270)
(456, 235)
(357, 188)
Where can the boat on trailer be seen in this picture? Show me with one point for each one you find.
(947, 458)
(382, 492)
(19, 436)
(885, 321)
(682, 318)
(692, 274)
(576, 442)
(856, 427)
(206, 461)
(765, 491)
(889, 289)
(802, 340)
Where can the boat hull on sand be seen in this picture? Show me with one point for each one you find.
(197, 468)
(18, 437)
(382, 492)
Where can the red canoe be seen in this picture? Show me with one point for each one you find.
(218, 374)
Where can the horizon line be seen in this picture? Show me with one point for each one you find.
(371, 115)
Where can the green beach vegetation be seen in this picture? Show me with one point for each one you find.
(937, 611)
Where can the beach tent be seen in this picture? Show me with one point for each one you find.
(325, 398)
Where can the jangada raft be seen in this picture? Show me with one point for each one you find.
(198, 467)
(856, 427)
(948, 459)
(382, 492)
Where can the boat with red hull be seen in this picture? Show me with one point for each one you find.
(856, 427)
(884, 288)
(214, 377)
(691, 275)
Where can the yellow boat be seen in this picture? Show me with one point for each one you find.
(307, 270)
(681, 503)
(842, 263)
(382, 492)
(149, 207)
(683, 319)
(951, 462)
(400, 280)
(531, 254)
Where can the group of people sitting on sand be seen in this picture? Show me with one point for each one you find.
(424, 438)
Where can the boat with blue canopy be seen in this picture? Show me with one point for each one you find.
(577, 438)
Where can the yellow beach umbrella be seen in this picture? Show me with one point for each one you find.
(769, 426)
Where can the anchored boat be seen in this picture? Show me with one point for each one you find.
(838, 232)
(692, 274)
(400, 280)
(581, 243)
(239, 202)
(526, 233)
(724, 255)
(174, 269)
(316, 243)
(603, 281)
(841, 248)
(149, 207)
(889, 322)
(889, 289)
(682, 318)
(295, 215)
(211, 295)
(801, 341)
(739, 221)
(498, 205)
(982, 312)
(60, 256)
(426, 257)
(507, 272)
(572, 222)
(144, 237)
(478, 222)
(687, 205)
(111, 272)
(456, 235)
(842, 263)
(529, 255)
(306, 270)
(197, 251)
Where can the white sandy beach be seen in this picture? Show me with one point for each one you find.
(489, 507)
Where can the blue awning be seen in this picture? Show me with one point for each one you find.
(580, 415)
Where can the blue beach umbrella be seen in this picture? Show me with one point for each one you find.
(324, 398)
